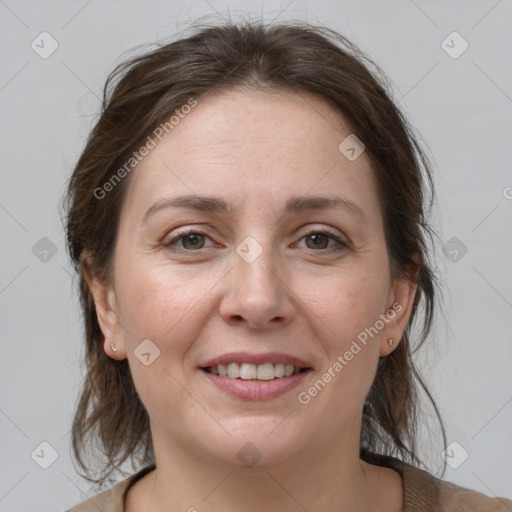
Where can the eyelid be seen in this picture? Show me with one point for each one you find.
(318, 228)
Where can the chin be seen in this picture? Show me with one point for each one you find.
(260, 442)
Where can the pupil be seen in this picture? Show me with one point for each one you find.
(192, 238)
(316, 238)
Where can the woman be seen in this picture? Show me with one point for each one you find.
(247, 220)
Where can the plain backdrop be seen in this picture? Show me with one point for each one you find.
(458, 99)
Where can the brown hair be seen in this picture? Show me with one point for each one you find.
(139, 95)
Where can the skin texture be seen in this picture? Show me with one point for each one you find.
(199, 299)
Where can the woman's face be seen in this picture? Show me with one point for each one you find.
(248, 269)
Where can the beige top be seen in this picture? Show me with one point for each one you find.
(422, 493)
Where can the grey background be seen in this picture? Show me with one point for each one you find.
(461, 107)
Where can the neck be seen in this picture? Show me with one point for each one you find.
(320, 479)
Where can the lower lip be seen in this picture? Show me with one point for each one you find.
(256, 389)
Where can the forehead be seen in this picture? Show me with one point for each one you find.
(253, 146)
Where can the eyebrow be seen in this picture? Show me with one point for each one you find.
(293, 205)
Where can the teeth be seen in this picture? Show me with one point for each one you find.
(279, 370)
(265, 371)
(250, 371)
(233, 370)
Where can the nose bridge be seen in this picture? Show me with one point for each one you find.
(256, 264)
(255, 261)
(257, 293)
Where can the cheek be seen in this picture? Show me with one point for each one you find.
(348, 309)
(351, 348)
(347, 302)
(155, 299)
(163, 310)
(170, 309)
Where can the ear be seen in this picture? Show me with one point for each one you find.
(106, 310)
(400, 300)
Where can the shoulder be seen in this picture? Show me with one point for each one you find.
(459, 499)
(423, 492)
(423, 489)
(111, 500)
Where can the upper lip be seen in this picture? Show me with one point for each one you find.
(248, 357)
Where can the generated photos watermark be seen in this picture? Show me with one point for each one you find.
(151, 143)
(304, 397)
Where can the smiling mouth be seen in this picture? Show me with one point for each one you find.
(255, 372)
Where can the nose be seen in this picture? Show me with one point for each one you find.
(257, 294)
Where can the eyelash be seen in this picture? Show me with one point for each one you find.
(342, 244)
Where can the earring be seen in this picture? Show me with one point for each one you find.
(390, 342)
(113, 347)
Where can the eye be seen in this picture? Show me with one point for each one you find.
(191, 240)
(320, 239)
